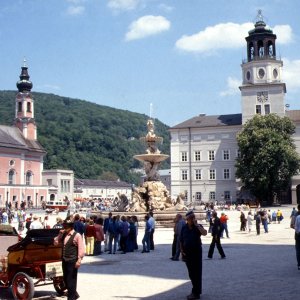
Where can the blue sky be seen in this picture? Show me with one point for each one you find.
(182, 56)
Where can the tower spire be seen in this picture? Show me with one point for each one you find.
(24, 84)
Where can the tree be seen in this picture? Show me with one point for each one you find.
(268, 157)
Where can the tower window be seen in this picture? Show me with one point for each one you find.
(19, 106)
(258, 109)
(28, 107)
(267, 109)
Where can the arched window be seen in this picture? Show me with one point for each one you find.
(28, 178)
(28, 107)
(261, 49)
(19, 106)
(250, 52)
(270, 49)
(11, 177)
(52, 197)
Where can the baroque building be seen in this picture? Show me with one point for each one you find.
(21, 155)
(204, 148)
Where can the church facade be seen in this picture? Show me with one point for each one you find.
(21, 155)
(204, 148)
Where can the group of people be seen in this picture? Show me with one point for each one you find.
(120, 233)
(260, 217)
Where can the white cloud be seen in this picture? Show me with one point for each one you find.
(146, 26)
(165, 7)
(226, 36)
(75, 10)
(123, 4)
(232, 87)
(291, 74)
(220, 36)
(284, 33)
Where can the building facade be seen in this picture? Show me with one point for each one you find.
(204, 148)
(88, 189)
(60, 184)
(21, 155)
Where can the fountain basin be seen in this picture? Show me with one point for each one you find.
(151, 157)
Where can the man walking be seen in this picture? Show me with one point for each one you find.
(191, 250)
(216, 235)
(179, 223)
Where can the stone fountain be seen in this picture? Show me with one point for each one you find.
(152, 194)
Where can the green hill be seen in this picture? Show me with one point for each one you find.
(94, 141)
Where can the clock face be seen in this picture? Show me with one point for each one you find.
(261, 73)
(262, 96)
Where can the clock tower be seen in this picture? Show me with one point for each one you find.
(262, 89)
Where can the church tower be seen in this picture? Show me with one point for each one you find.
(262, 90)
(24, 113)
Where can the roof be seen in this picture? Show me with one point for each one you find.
(210, 121)
(12, 137)
(100, 183)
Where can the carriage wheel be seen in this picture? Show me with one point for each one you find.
(60, 287)
(22, 287)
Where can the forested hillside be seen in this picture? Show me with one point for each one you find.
(94, 141)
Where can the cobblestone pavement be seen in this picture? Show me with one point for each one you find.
(256, 267)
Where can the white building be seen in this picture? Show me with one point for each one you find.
(60, 184)
(100, 189)
(204, 148)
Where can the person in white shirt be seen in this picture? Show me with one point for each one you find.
(152, 224)
(36, 223)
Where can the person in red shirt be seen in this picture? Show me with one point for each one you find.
(224, 227)
(90, 234)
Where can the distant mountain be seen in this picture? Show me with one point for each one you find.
(94, 141)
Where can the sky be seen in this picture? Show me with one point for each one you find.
(171, 60)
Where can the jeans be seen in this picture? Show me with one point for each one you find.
(113, 237)
(146, 240)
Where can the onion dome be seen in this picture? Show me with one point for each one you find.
(24, 84)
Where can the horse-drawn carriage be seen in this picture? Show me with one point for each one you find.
(31, 262)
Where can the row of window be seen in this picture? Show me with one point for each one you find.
(20, 107)
(212, 174)
(12, 177)
(211, 155)
(212, 196)
(200, 137)
(266, 108)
